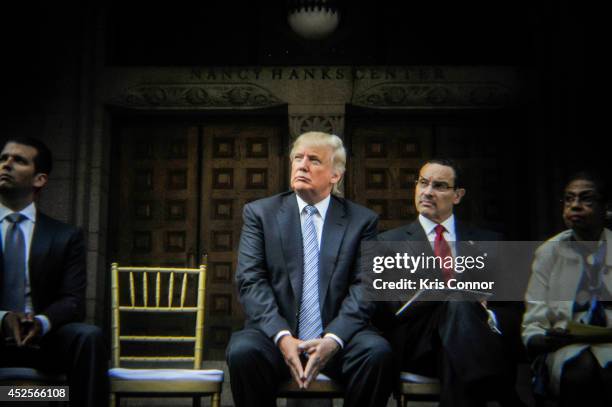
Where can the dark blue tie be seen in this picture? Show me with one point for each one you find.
(12, 296)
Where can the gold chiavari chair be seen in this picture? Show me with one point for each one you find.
(154, 291)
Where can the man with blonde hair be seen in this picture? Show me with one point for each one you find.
(300, 287)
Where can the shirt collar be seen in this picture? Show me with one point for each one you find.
(321, 206)
(29, 212)
(602, 237)
(428, 225)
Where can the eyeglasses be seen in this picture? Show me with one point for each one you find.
(439, 186)
(585, 198)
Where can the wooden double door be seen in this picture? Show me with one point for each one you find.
(180, 189)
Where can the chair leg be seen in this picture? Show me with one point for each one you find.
(216, 400)
(196, 401)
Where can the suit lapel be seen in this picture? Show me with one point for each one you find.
(462, 234)
(290, 234)
(467, 240)
(415, 233)
(334, 227)
(41, 243)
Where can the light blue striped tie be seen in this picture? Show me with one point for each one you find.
(310, 325)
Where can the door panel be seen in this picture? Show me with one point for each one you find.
(158, 184)
(240, 164)
(384, 167)
(489, 169)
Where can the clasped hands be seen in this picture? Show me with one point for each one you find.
(22, 327)
(318, 352)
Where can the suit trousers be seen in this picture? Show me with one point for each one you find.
(364, 366)
(453, 341)
(75, 349)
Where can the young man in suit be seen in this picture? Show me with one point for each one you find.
(457, 341)
(301, 290)
(43, 280)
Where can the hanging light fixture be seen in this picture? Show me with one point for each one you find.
(313, 19)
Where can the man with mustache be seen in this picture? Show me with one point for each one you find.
(457, 341)
(43, 280)
(301, 289)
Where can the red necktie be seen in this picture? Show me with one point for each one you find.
(442, 250)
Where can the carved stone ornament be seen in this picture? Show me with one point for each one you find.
(419, 95)
(333, 124)
(195, 96)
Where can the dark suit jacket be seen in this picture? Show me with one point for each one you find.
(57, 271)
(270, 265)
(413, 232)
(509, 314)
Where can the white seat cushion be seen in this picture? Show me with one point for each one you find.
(417, 378)
(208, 375)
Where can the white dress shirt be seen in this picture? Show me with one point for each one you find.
(27, 228)
(450, 235)
(319, 219)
